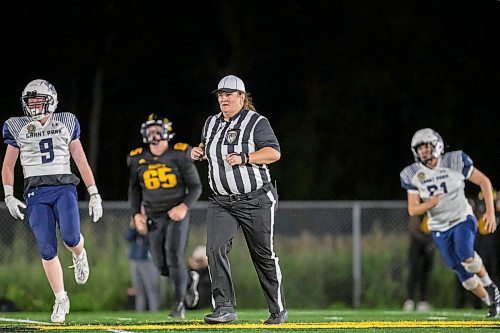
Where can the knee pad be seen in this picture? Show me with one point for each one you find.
(72, 241)
(471, 283)
(475, 265)
(48, 252)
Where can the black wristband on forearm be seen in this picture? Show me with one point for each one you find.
(244, 158)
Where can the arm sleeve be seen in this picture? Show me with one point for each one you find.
(407, 186)
(8, 138)
(467, 165)
(204, 131)
(134, 188)
(76, 130)
(191, 179)
(405, 179)
(264, 135)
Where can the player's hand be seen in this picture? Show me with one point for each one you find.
(490, 222)
(13, 205)
(141, 224)
(95, 203)
(178, 213)
(95, 207)
(198, 153)
(435, 199)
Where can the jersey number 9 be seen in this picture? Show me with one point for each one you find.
(47, 148)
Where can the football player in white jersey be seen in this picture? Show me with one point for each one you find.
(45, 141)
(435, 185)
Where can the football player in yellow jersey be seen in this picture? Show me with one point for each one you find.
(165, 180)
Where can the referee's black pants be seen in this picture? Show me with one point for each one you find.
(167, 244)
(255, 216)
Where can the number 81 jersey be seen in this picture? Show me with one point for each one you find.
(44, 148)
(446, 178)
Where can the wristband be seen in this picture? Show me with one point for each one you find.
(92, 189)
(8, 190)
(244, 158)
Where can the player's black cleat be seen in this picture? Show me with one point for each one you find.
(221, 315)
(494, 294)
(277, 318)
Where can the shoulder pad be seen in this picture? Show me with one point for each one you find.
(136, 151)
(181, 146)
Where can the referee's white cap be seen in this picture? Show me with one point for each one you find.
(230, 83)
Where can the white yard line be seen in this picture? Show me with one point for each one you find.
(25, 321)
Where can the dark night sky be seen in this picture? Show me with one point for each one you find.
(345, 84)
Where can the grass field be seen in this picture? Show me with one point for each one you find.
(342, 321)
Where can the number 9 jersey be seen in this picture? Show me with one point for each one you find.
(164, 181)
(44, 149)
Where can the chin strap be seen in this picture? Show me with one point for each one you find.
(426, 161)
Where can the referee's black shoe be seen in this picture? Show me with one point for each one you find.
(221, 315)
(277, 318)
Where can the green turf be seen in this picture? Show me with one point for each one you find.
(345, 321)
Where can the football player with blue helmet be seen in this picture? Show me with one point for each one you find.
(435, 185)
(45, 142)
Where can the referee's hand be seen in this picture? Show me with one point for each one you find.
(197, 153)
(235, 159)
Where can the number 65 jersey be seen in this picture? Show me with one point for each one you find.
(164, 181)
(447, 178)
(44, 149)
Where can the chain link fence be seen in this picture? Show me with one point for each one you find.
(332, 253)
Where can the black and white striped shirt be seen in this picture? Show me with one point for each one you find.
(247, 131)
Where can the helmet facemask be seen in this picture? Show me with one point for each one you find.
(156, 129)
(39, 99)
(153, 134)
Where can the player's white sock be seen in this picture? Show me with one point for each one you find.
(60, 295)
(79, 256)
(486, 280)
(486, 300)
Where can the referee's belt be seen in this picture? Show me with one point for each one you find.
(246, 196)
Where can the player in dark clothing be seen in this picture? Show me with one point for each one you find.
(421, 259)
(166, 182)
